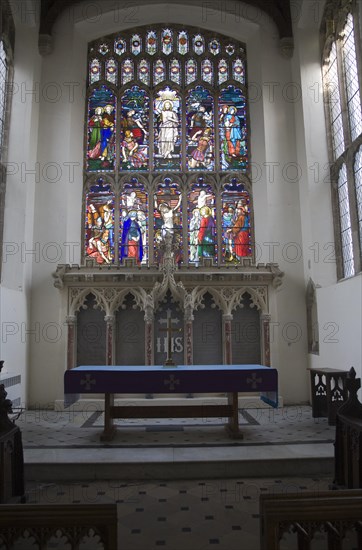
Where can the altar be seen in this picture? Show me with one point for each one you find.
(204, 379)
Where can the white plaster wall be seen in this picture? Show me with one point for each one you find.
(58, 195)
(15, 289)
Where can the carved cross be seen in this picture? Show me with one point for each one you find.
(88, 382)
(172, 382)
(254, 381)
(169, 330)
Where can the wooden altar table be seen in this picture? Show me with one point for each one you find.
(229, 379)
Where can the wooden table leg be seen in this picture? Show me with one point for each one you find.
(109, 429)
(233, 424)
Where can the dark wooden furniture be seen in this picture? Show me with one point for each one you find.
(328, 392)
(229, 379)
(58, 525)
(348, 443)
(333, 515)
(11, 454)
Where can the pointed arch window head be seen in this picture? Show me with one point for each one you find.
(167, 120)
(3, 92)
(351, 76)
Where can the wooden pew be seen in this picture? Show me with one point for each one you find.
(333, 513)
(58, 523)
(348, 443)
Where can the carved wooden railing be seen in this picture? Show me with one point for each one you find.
(334, 514)
(75, 526)
(348, 443)
(11, 453)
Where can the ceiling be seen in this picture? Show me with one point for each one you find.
(278, 10)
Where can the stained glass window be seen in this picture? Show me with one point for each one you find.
(99, 223)
(167, 123)
(238, 71)
(199, 44)
(111, 71)
(136, 44)
(134, 223)
(191, 71)
(151, 43)
(159, 72)
(175, 71)
(101, 130)
(120, 46)
(127, 71)
(223, 71)
(168, 219)
(171, 100)
(236, 237)
(134, 130)
(200, 133)
(167, 41)
(233, 129)
(144, 72)
(183, 43)
(207, 71)
(202, 225)
(94, 71)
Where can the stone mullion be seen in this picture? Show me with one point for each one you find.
(188, 337)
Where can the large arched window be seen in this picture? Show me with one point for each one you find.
(7, 38)
(342, 80)
(166, 148)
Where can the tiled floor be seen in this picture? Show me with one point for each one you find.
(182, 515)
(178, 514)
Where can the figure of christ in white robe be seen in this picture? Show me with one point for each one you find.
(168, 131)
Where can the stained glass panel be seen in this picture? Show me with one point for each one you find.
(151, 43)
(167, 124)
(200, 130)
(214, 47)
(168, 219)
(175, 71)
(134, 223)
(136, 44)
(159, 72)
(94, 71)
(230, 49)
(238, 71)
(111, 71)
(358, 183)
(167, 41)
(191, 71)
(223, 71)
(351, 73)
(207, 71)
(345, 223)
(199, 44)
(103, 49)
(101, 127)
(135, 112)
(127, 71)
(144, 72)
(236, 237)
(99, 224)
(183, 43)
(120, 46)
(202, 222)
(233, 129)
